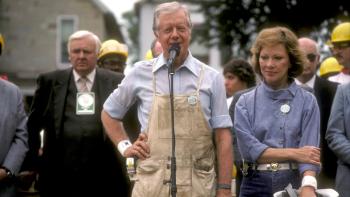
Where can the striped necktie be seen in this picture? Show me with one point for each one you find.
(82, 82)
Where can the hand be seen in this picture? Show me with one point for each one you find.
(309, 154)
(139, 149)
(25, 179)
(223, 193)
(3, 174)
(307, 191)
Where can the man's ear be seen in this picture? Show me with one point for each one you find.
(155, 34)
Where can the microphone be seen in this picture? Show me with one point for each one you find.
(174, 51)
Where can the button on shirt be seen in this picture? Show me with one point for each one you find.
(137, 85)
(261, 124)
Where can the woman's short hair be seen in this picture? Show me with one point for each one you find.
(279, 35)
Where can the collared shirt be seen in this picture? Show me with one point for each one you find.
(229, 101)
(137, 86)
(310, 83)
(340, 78)
(260, 122)
(90, 77)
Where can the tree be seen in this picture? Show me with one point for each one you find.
(237, 22)
(132, 25)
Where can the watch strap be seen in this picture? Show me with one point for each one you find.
(223, 186)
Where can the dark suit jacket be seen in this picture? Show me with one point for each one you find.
(324, 91)
(102, 175)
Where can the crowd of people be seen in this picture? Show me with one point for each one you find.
(272, 118)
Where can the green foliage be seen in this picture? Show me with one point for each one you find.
(132, 25)
(234, 24)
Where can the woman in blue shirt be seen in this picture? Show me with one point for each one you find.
(277, 123)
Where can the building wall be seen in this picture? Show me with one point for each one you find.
(30, 31)
(146, 34)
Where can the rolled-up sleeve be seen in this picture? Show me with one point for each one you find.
(119, 101)
(220, 117)
(113, 107)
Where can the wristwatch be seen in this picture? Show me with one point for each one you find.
(223, 186)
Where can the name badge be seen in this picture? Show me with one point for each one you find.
(285, 108)
(85, 103)
(192, 100)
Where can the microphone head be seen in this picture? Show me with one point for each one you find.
(174, 47)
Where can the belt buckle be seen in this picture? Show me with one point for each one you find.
(245, 168)
(274, 166)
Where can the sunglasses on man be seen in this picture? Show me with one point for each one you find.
(340, 45)
(311, 57)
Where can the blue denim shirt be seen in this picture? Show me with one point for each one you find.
(137, 86)
(261, 124)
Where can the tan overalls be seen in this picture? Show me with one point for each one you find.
(195, 155)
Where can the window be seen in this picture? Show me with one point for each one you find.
(66, 25)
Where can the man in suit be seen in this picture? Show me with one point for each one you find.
(77, 158)
(324, 91)
(13, 134)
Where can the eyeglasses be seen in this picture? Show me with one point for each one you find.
(340, 45)
(311, 57)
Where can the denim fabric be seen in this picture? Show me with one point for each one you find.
(266, 183)
(260, 123)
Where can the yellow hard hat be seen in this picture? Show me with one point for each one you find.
(234, 171)
(330, 65)
(341, 33)
(2, 44)
(112, 47)
(149, 55)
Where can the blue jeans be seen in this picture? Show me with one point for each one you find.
(266, 183)
(7, 190)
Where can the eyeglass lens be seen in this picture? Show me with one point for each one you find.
(340, 45)
(311, 57)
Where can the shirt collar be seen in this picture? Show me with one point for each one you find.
(190, 63)
(309, 83)
(286, 93)
(90, 76)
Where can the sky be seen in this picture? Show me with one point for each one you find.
(118, 7)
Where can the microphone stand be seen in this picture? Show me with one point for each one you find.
(173, 188)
